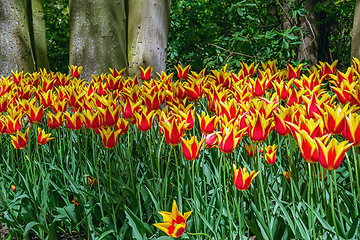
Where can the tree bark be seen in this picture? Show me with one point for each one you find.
(355, 36)
(39, 35)
(309, 35)
(148, 29)
(15, 44)
(97, 35)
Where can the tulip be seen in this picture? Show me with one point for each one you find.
(285, 115)
(4, 101)
(249, 70)
(242, 178)
(55, 121)
(76, 203)
(259, 127)
(321, 174)
(211, 140)
(109, 137)
(173, 131)
(42, 137)
(287, 175)
(214, 95)
(35, 114)
(270, 154)
(116, 73)
(331, 156)
(221, 78)
(46, 98)
(191, 148)
(17, 77)
(110, 115)
(20, 140)
(230, 109)
(250, 150)
(122, 125)
(182, 72)
(351, 130)
(174, 222)
(258, 86)
(153, 101)
(283, 89)
(207, 124)
(229, 139)
(74, 121)
(293, 72)
(13, 188)
(326, 69)
(75, 71)
(270, 65)
(195, 88)
(144, 119)
(146, 74)
(308, 146)
(13, 124)
(128, 109)
(334, 119)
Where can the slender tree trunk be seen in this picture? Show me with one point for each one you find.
(309, 35)
(39, 35)
(355, 37)
(97, 35)
(148, 29)
(15, 44)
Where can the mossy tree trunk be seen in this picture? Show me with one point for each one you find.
(39, 35)
(148, 29)
(355, 37)
(97, 35)
(15, 44)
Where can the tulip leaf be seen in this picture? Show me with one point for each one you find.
(103, 235)
(354, 230)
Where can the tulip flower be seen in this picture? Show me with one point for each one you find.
(293, 72)
(55, 121)
(2, 124)
(295, 97)
(17, 77)
(334, 119)
(270, 154)
(13, 124)
(182, 72)
(351, 130)
(222, 78)
(211, 140)
(144, 119)
(195, 88)
(153, 101)
(75, 71)
(4, 101)
(43, 138)
(249, 70)
(35, 113)
(258, 86)
(230, 109)
(20, 140)
(13, 188)
(116, 73)
(321, 174)
(331, 156)
(285, 115)
(287, 175)
(122, 124)
(207, 124)
(259, 127)
(174, 223)
(250, 150)
(146, 74)
(173, 131)
(76, 203)
(326, 69)
(191, 148)
(229, 139)
(74, 121)
(242, 178)
(214, 95)
(110, 115)
(270, 65)
(109, 137)
(283, 89)
(308, 146)
(46, 98)
(92, 181)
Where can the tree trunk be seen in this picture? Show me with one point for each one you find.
(148, 29)
(15, 44)
(355, 37)
(39, 35)
(97, 35)
(309, 35)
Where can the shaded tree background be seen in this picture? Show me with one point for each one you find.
(210, 34)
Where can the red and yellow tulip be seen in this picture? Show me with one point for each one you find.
(43, 138)
(242, 178)
(191, 148)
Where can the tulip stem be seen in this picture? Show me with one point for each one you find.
(166, 178)
(310, 195)
(178, 182)
(130, 163)
(159, 171)
(197, 234)
(291, 174)
(203, 167)
(338, 202)
(332, 205)
(356, 172)
(262, 185)
(150, 155)
(351, 184)
(194, 193)
(109, 165)
(239, 214)
(226, 195)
